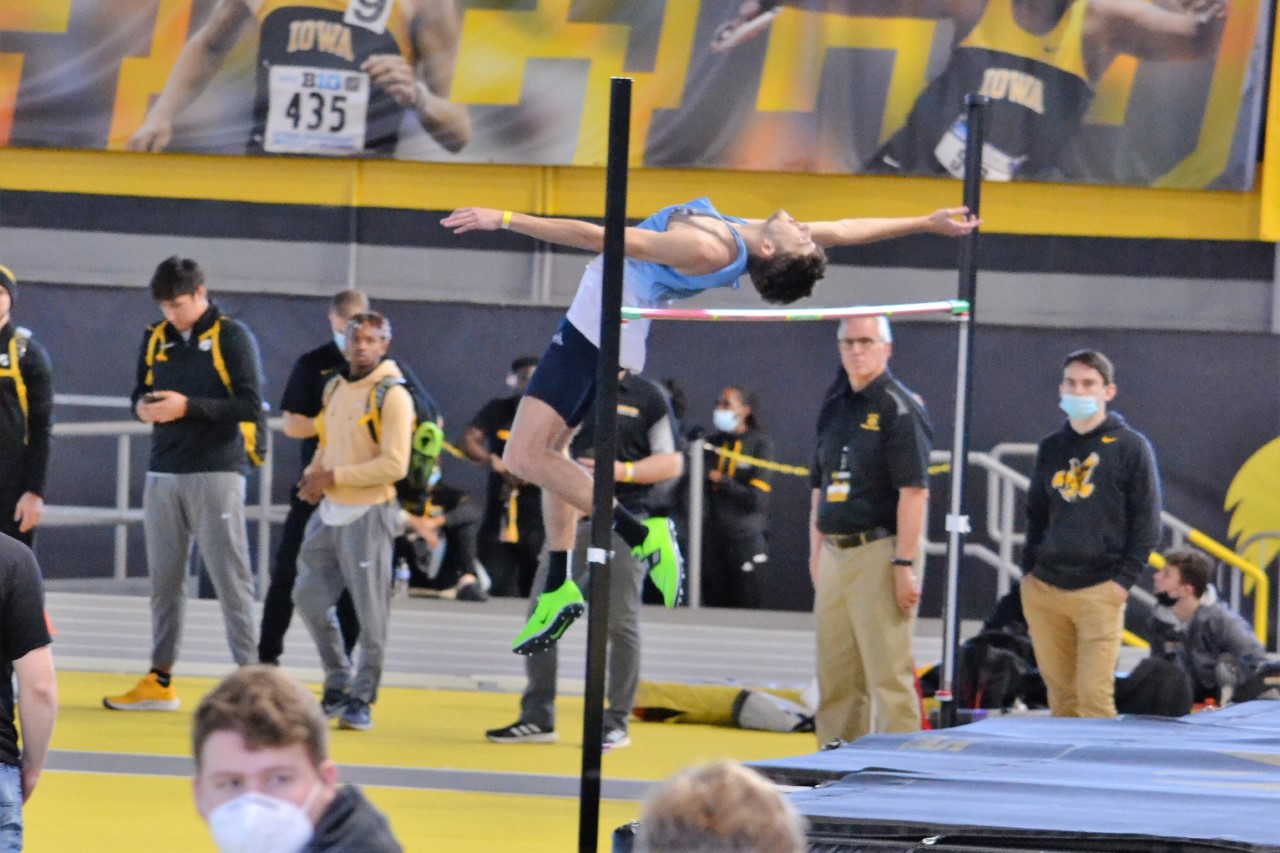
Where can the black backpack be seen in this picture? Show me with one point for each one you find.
(1156, 687)
(996, 669)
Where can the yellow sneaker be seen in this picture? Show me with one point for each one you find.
(148, 695)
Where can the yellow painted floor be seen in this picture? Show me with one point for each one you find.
(77, 811)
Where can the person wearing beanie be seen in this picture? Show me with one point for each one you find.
(26, 419)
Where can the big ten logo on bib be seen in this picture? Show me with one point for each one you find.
(316, 110)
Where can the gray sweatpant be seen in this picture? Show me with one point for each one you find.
(538, 703)
(356, 557)
(210, 506)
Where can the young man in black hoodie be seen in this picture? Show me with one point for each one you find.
(264, 779)
(1093, 518)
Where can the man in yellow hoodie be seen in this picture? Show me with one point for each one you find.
(365, 430)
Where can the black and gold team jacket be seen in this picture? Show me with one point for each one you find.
(1038, 89)
(209, 437)
(738, 506)
(1093, 507)
(334, 35)
(26, 414)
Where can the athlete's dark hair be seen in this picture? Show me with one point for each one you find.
(348, 302)
(750, 400)
(524, 361)
(1096, 360)
(784, 278)
(176, 277)
(1193, 567)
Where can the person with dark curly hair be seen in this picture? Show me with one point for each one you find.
(676, 253)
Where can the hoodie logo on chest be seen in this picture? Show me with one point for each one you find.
(1073, 483)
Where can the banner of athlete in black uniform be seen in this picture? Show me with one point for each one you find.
(1144, 92)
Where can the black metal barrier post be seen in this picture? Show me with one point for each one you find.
(606, 451)
(957, 522)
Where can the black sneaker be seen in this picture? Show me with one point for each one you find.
(522, 732)
(472, 592)
(356, 715)
(333, 701)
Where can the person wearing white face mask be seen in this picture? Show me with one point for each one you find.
(264, 780)
(1093, 517)
(736, 517)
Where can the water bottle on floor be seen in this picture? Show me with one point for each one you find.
(401, 587)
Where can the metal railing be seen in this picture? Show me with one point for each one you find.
(122, 514)
(1004, 484)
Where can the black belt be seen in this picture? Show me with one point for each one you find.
(857, 540)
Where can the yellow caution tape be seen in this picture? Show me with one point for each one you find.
(797, 470)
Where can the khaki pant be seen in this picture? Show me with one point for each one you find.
(1076, 637)
(864, 646)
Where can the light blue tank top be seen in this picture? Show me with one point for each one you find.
(656, 285)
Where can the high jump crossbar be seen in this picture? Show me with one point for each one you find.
(957, 307)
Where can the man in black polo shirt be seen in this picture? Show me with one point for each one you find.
(648, 454)
(870, 494)
(303, 399)
(511, 534)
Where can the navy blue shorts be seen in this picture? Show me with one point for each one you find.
(565, 378)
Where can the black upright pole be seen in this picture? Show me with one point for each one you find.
(606, 451)
(957, 522)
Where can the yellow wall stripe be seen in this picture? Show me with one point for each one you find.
(1061, 209)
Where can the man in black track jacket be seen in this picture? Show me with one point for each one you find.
(199, 381)
(26, 420)
(1093, 517)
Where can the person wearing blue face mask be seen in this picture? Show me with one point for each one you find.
(302, 401)
(1093, 517)
(735, 551)
(264, 780)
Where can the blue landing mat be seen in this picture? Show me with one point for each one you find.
(1205, 782)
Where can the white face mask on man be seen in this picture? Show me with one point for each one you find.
(256, 823)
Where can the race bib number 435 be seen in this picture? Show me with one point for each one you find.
(316, 110)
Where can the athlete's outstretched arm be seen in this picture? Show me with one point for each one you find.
(199, 60)
(425, 86)
(949, 221)
(1147, 31)
(687, 250)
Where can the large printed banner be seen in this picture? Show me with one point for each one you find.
(1163, 93)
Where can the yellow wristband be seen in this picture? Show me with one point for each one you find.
(628, 472)
(506, 220)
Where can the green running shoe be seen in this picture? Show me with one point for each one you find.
(552, 616)
(660, 554)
